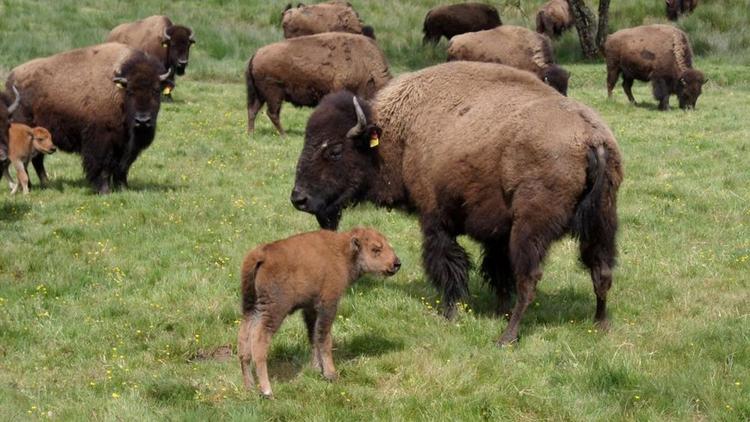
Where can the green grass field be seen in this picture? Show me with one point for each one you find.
(126, 307)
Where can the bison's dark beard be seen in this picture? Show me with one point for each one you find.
(329, 218)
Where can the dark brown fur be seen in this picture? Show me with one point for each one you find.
(302, 70)
(334, 16)
(310, 272)
(657, 53)
(9, 102)
(548, 166)
(100, 101)
(455, 19)
(554, 18)
(676, 8)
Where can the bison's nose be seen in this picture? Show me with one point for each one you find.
(299, 199)
(143, 119)
(182, 62)
(396, 265)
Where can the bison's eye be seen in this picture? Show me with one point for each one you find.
(376, 251)
(335, 151)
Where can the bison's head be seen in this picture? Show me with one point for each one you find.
(689, 88)
(339, 158)
(557, 77)
(8, 105)
(142, 79)
(177, 39)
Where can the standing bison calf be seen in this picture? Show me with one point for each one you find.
(514, 46)
(478, 149)
(333, 16)
(302, 70)
(455, 19)
(309, 271)
(100, 101)
(657, 53)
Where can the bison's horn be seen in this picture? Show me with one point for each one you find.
(165, 35)
(166, 75)
(16, 102)
(361, 121)
(119, 80)
(192, 36)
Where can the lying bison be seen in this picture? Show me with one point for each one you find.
(455, 19)
(302, 70)
(657, 53)
(554, 18)
(100, 101)
(675, 8)
(334, 16)
(513, 46)
(158, 36)
(8, 104)
(478, 149)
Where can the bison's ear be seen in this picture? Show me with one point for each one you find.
(356, 245)
(369, 139)
(703, 82)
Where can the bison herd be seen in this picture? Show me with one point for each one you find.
(486, 145)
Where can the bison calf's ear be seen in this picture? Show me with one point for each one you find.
(356, 245)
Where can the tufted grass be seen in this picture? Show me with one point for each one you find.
(124, 306)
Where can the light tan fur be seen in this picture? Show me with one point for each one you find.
(309, 271)
(146, 33)
(667, 43)
(23, 144)
(558, 12)
(318, 18)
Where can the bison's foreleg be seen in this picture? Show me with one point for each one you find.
(447, 266)
(41, 172)
(498, 272)
(661, 92)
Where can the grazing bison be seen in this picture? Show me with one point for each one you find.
(457, 19)
(100, 101)
(675, 8)
(302, 70)
(554, 18)
(158, 36)
(657, 53)
(309, 271)
(513, 46)
(8, 105)
(478, 149)
(334, 16)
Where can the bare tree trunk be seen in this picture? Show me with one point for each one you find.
(585, 23)
(603, 29)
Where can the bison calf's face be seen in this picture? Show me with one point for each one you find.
(178, 39)
(374, 254)
(689, 88)
(339, 158)
(42, 140)
(143, 85)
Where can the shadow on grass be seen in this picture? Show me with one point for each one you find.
(13, 211)
(63, 183)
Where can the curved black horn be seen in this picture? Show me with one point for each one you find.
(166, 75)
(16, 102)
(361, 120)
(165, 35)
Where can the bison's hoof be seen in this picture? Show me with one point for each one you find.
(602, 325)
(267, 394)
(507, 341)
(449, 312)
(332, 376)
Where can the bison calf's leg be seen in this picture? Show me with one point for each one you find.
(498, 271)
(310, 316)
(261, 331)
(23, 177)
(324, 340)
(627, 86)
(447, 266)
(244, 351)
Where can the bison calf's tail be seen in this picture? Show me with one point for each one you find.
(595, 219)
(254, 102)
(250, 268)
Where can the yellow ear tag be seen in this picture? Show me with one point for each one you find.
(165, 45)
(167, 90)
(119, 85)
(374, 141)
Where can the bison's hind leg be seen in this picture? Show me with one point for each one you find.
(273, 110)
(310, 316)
(446, 264)
(498, 271)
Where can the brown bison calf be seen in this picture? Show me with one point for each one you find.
(553, 18)
(24, 144)
(332, 16)
(302, 70)
(514, 46)
(657, 53)
(457, 19)
(309, 271)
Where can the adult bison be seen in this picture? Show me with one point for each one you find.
(657, 53)
(457, 19)
(478, 149)
(514, 46)
(100, 101)
(158, 36)
(554, 18)
(675, 8)
(8, 104)
(333, 16)
(302, 70)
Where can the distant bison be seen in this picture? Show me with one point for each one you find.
(457, 19)
(302, 70)
(158, 36)
(514, 46)
(8, 104)
(478, 149)
(554, 18)
(657, 53)
(334, 16)
(100, 101)
(675, 8)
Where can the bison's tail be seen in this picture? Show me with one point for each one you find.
(250, 268)
(595, 219)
